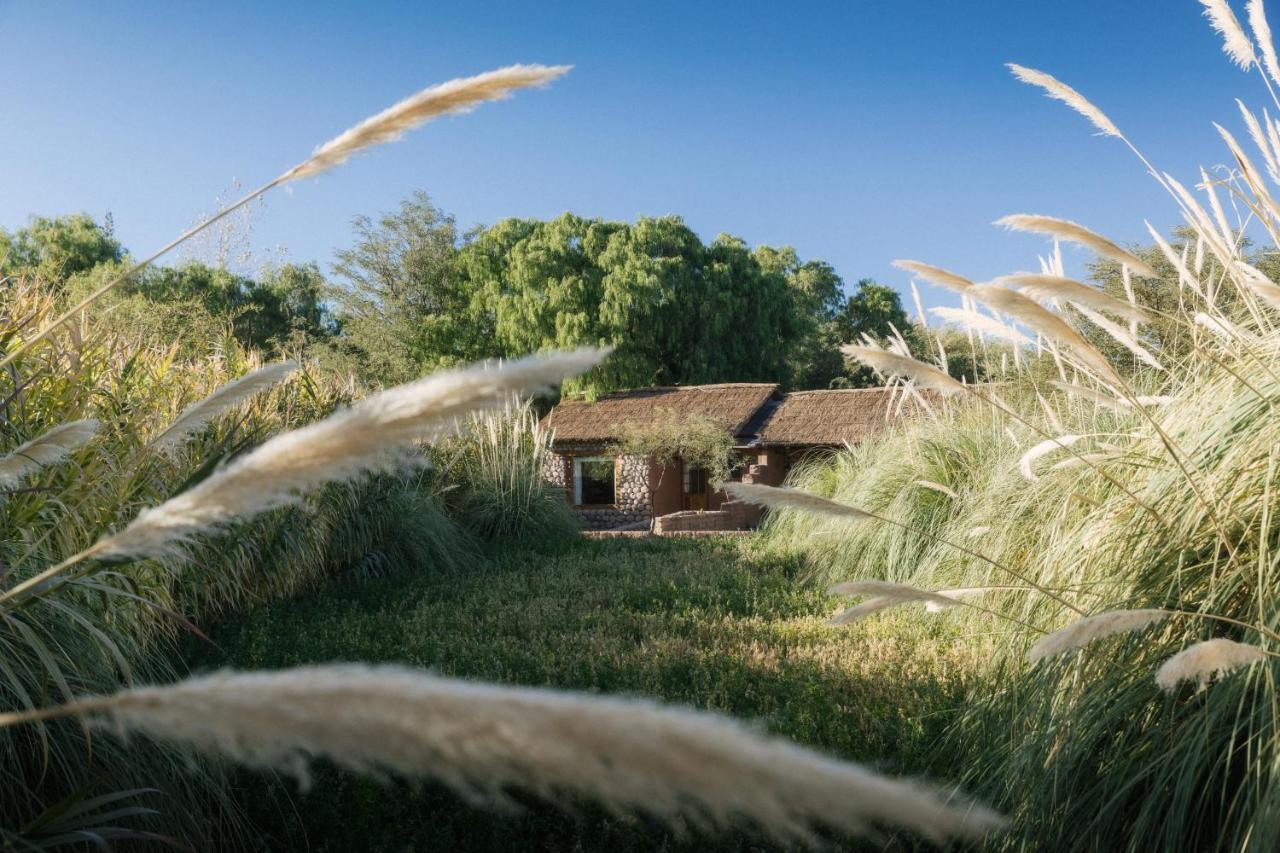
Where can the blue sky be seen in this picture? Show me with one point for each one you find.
(857, 132)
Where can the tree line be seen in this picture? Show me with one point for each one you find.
(415, 293)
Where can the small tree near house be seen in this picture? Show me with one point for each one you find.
(695, 439)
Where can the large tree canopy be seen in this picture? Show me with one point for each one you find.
(676, 310)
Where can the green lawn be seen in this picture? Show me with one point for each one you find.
(713, 624)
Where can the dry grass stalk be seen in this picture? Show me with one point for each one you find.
(455, 96)
(683, 767)
(935, 275)
(45, 449)
(1203, 661)
(1260, 140)
(1082, 632)
(1060, 91)
(892, 364)
(358, 441)
(881, 596)
(787, 498)
(1251, 176)
(1072, 232)
(937, 487)
(1234, 41)
(222, 401)
(1064, 289)
(1262, 287)
(1185, 277)
(1092, 395)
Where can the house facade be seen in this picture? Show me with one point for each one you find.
(771, 432)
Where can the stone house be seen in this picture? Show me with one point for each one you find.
(771, 432)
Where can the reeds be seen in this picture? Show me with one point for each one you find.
(893, 364)
(684, 768)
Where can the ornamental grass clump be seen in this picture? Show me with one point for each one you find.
(1128, 474)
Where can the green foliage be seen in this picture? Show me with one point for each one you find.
(713, 624)
(695, 439)
(52, 250)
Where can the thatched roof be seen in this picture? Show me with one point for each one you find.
(833, 418)
(735, 405)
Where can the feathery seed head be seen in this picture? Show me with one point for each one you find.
(1059, 91)
(1203, 661)
(1234, 41)
(682, 767)
(1082, 632)
(455, 96)
(45, 449)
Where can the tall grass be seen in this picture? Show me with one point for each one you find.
(493, 479)
(1113, 488)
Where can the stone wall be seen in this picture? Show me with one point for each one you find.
(630, 486)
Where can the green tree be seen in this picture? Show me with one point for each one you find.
(54, 249)
(674, 309)
(400, 303)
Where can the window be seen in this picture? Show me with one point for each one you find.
(593, 480)
(695, 481)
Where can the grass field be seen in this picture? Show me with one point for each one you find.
(710, 623)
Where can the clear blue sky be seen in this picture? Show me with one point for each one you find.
(856, 131)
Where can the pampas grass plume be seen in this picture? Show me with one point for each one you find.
(46, 449)
(1044, 322)
(682, 767)
(455, 96)
(1060, 91)
(1234, 41)
(892, 364)
(1262, 35)
(222, 401)
(1040, 286)
(1073, 232)
(935, 275)
(1203, 661)
(1082, 632)
(981, 323)
(1026, 464)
